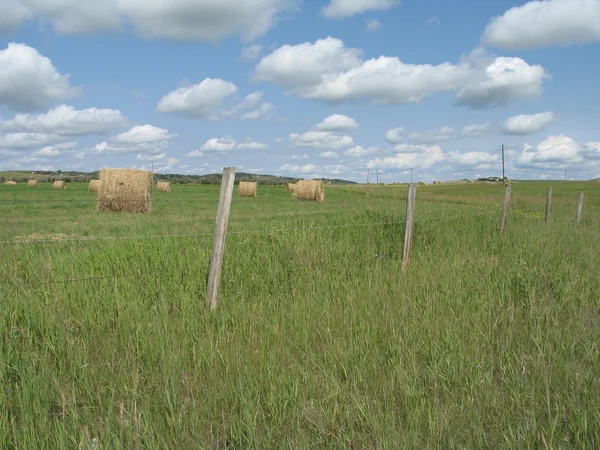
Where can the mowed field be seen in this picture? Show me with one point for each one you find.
(320, 339)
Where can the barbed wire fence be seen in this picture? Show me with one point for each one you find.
(482, 211)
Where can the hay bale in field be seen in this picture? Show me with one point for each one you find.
(10, 182)
(125, 190)
(32, 183)
(163, 186)
(436, 182)
(94, 185)
(422, 183)
(469, 181)
(291, 187)
(310, 190)
(247, 189)
(59, 185)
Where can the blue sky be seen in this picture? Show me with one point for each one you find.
(313, 88)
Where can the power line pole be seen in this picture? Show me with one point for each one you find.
(377, 176)
(565, 174)
(368, 173)
(411, 176)
(503, 177)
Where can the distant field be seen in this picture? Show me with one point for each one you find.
(320, 340)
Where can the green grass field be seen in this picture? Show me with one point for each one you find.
(320, 340)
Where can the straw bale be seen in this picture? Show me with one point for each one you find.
(247, 188)
(163, 186)
(310, 190)
(422, 183)
(125, 190)
(32, 183)
(94, 185)
(10, 182)
(469, 181)
(291, 187)
(59, 185)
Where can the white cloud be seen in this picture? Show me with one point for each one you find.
(300, 157)
(358, 151)
(47, 152)
(251, 53)
(393, 135)
(29, 81)
(141, 138)
(555, 151)
(198, 100)
(329, 155)
(418, 156)
(167, 165)
(328, 71)
(262, 112)
(336, 122)
(433, 21)
(225, 145)
(545, 23)
(478, 130)
(591, 150)
(475, 160)
(295, 168)
(372, 25)
(141, 157)
(68, 121)
(204, 20)
(321, 140)
(338, 9)
(528, 124)
(29, 141)
(13, 13)
(444, 134)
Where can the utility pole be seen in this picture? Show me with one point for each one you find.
(377, 176)
(565, 174)
(503, 177)
(411, 176)
(368, 173)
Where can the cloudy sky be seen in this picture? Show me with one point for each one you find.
(303, 88)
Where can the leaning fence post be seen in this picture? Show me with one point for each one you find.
(409, 223)
(548, 204)
(579, 207)
(505, 208)
(218, 248)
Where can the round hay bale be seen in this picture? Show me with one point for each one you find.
(469, 181)
(94, 185)
(247, 189)
(59, 185)
(422, 183)
(313, 190)
(291, 187)
(163, 186)
(32, 183)
(125, 190)
(10, 182)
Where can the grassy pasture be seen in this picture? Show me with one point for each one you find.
(321, 341)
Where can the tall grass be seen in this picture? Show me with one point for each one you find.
(320, 340)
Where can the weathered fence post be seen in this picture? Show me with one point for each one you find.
(505, 208)
(579, 207)
(409, 223)
(218, 248)
(548, 204)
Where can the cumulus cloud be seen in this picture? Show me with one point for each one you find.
(545, 23)
(262, 112)
(203, 20)
(47, 152)
(142, 157)
(359, 151)
(29, 81)
(338, 9)
(328, 71)
(473, 160)
(553, 152)
(329, 155)
(251, 53)
(293, 168)
(67, 121)
(372, 25)
(421, 156)
(477, 130)
(29, 141)
(528, 124)
(336, 122)
(226, 145)
(198, 100)
(141, 138)
(300, 157)
(393, 135)
(321, 140)
(444, 134)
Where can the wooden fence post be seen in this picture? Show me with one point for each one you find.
(548, 204)
(409, 223)
(505, 208)
(579, 207)
(218, 248)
